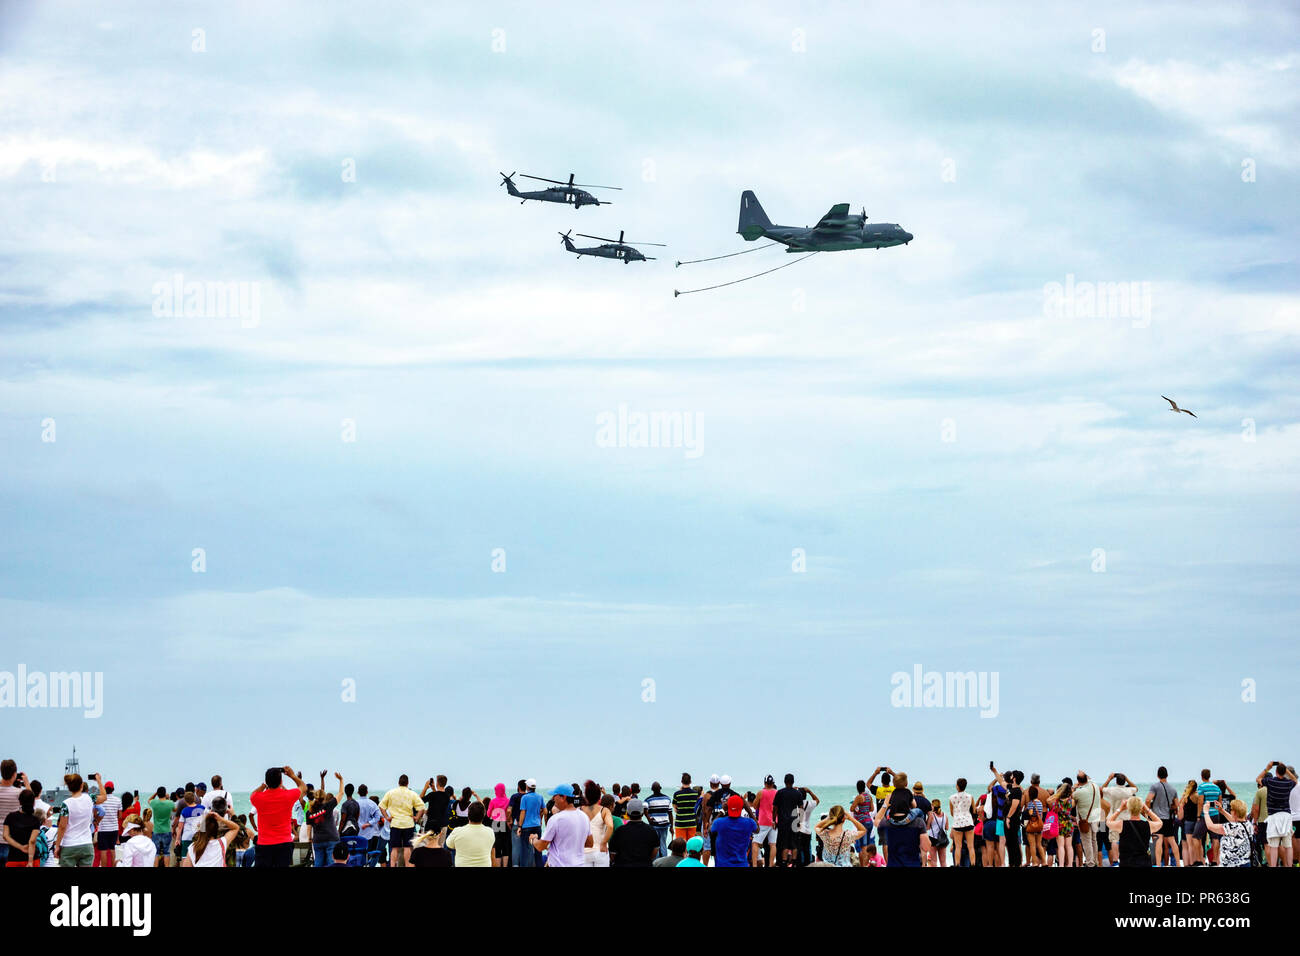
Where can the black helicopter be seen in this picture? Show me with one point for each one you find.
(610, 248)
(574, 193)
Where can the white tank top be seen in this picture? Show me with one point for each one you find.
(597, 831)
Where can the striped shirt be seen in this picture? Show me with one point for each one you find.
(1210, 793)
(111, 806)
(1279, 793)
(684, 803)
(656, 809)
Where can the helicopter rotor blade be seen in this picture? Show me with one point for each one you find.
(543, 179)
(593, 186)
(638, 242)
(597, 238)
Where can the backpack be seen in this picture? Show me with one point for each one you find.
(42, 848)
(1051, 824)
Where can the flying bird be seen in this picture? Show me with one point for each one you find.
(1175, 407)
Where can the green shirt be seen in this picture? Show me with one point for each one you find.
(162, 815)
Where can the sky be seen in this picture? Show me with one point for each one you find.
(902, 458)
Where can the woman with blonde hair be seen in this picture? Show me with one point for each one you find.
(208, 848)
(837, 839)
(1234, 847)
(1134, 823)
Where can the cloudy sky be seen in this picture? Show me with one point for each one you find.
(978, 480)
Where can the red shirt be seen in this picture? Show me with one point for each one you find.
(274, 814)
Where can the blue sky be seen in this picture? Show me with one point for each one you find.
(474, 358)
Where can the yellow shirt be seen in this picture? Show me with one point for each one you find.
(401, 804)
(473, 844)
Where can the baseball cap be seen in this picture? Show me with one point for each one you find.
(735, 805)
(714, 779)
(530, 783)
(725, 780)
(635, 806)
(108, 784)
(694, 845)
(769, 779)
(563, 790)
(197, 786)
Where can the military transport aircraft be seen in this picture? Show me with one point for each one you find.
(611, 249)
(569, 192)
(837, 230)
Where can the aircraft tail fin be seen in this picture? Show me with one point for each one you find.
(509, 183)
(753, 221)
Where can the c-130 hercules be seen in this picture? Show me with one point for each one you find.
(837, 230)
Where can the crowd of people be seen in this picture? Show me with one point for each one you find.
(889, 822)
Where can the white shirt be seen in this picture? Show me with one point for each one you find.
(214, 854)
(80, 811)
(213, 794)
(137, 851)
(803, 823)
(112, 807)
(1295, 802)
(41, 805)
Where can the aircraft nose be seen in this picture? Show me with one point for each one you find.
(909, 237)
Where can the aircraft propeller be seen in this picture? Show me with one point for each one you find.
(570, 184)
(619, 241)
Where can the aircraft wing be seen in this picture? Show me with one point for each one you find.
(836, 220)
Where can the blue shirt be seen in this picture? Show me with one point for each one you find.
(530, 805)
(1210, 793)
(904, 844)
(999, 801)
(368, 819)
(731, 839)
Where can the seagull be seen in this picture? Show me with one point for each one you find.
(1175, 407)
